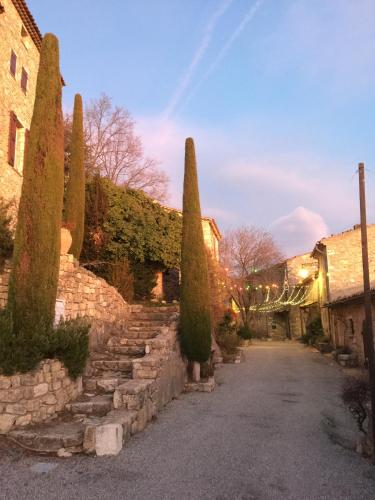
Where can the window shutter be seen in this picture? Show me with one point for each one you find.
(26, 145)
(24, 79)
(13, 63)
(12, 139)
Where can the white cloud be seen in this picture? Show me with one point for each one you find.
(297, 232)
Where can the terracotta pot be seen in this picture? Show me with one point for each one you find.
(66, 241)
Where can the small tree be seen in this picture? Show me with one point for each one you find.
(34, 276)
(75, 190)
(195, 319)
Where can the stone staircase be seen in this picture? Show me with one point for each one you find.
(120, 389)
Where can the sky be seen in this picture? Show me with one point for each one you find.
(278, 95)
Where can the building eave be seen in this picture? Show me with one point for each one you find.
(352, 299)
(29, 22)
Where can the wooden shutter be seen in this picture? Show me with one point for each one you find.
(12, 138)
(24, 79)
(13, 63)
(26, 145)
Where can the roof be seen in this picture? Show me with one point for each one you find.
(321, 243)
(29, 22)
(355, 297)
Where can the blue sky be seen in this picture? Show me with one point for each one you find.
(279, 96)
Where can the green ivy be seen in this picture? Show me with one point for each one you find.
(125, 224)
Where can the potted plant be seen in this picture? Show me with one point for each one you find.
(245, 335)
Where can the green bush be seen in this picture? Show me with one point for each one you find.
(226, 335)
(314, 332)
(245, 333)
(6, 236)
(67, 342)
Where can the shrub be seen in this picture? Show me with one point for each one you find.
(68, 342)
(314, 332)
(6, 236)
(227, 337)
(245, 333)
(356, 395)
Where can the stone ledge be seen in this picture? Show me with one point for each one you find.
(203, 386)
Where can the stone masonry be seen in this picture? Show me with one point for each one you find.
(36, 396)
(84, 295)
(15, 37)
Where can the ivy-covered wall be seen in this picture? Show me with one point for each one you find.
(124, 225)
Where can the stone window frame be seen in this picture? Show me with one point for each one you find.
(351, 327)
(17, 155)
(13, 63)
(25, 37)
(24, 82)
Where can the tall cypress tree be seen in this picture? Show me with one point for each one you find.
(34, 276)
(195, 318)
(75, 190)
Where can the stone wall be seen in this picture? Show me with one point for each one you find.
(344, 259)
(347, 326)
(12, 97)
(83, 294)
(36, 396)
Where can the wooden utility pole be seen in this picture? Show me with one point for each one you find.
(369, 335)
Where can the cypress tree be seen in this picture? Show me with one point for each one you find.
(195, 318)
(75, 190)
(34, 276)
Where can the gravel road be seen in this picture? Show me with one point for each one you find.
(273, 429)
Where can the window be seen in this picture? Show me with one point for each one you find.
(12, 139)
(25, 144)
(25, 37)
(13, 63)
(24, 80)
(351, 327)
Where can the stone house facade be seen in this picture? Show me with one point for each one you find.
(290, 281)
(340, 289)
(20, 42)
(168, 281)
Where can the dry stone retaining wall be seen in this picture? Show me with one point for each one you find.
(37, 395)
(84, 295)
(40, 394)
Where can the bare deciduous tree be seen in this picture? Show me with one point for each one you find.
(249, 255)
(113, 149)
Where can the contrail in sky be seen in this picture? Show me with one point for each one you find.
(236, 33)
(199, 53)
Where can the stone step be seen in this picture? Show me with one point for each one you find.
(98, 405)
(145, 323)
(50, 437)
(151, 316)
(134, 351)
(102, 385)
(136, 333)
(115, 365)
(165, 309)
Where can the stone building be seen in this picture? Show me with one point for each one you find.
(340, 288)
(20, 43)
(168, 281)
(289, 298)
